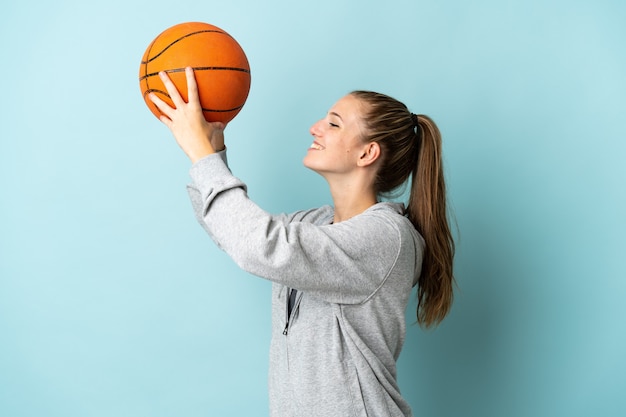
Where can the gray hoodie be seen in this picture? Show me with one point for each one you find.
(335, 355)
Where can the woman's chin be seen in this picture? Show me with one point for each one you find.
(306, 161)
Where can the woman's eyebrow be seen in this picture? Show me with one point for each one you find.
(332, 113)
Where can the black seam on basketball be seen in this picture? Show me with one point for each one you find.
(247, 71)
(145, 68)
(183, 37)
(222, 111)
(156, 90)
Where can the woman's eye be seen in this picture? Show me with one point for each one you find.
(333, 124)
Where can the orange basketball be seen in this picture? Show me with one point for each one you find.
(220, 66)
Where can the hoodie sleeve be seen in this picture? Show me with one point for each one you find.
(341, 263)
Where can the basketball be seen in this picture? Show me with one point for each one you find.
(220, 66)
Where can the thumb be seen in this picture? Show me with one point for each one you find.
(217, 135)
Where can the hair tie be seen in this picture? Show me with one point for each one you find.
(416, 127)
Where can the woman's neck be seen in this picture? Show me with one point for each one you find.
(350, 201)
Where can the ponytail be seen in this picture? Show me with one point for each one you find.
(411, 147)
(428, 213)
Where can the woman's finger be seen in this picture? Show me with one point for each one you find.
(163, 107)
(192, 86)
(171, 89)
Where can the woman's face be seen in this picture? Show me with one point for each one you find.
(337, 139)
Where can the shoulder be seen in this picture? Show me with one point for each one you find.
(317, 216)
(401, 235)
(380, 227)
(387, 215)
(389, 219)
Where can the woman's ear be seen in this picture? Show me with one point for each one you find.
(370, 154)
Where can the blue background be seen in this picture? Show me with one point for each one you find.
(113, 302)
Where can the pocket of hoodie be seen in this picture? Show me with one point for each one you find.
(354, 387)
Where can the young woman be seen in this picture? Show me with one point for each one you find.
(341, 275)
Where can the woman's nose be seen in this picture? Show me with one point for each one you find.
(315, 129)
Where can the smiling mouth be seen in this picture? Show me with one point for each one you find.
(316, 146)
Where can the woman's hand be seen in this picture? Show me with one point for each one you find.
(196, 137)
